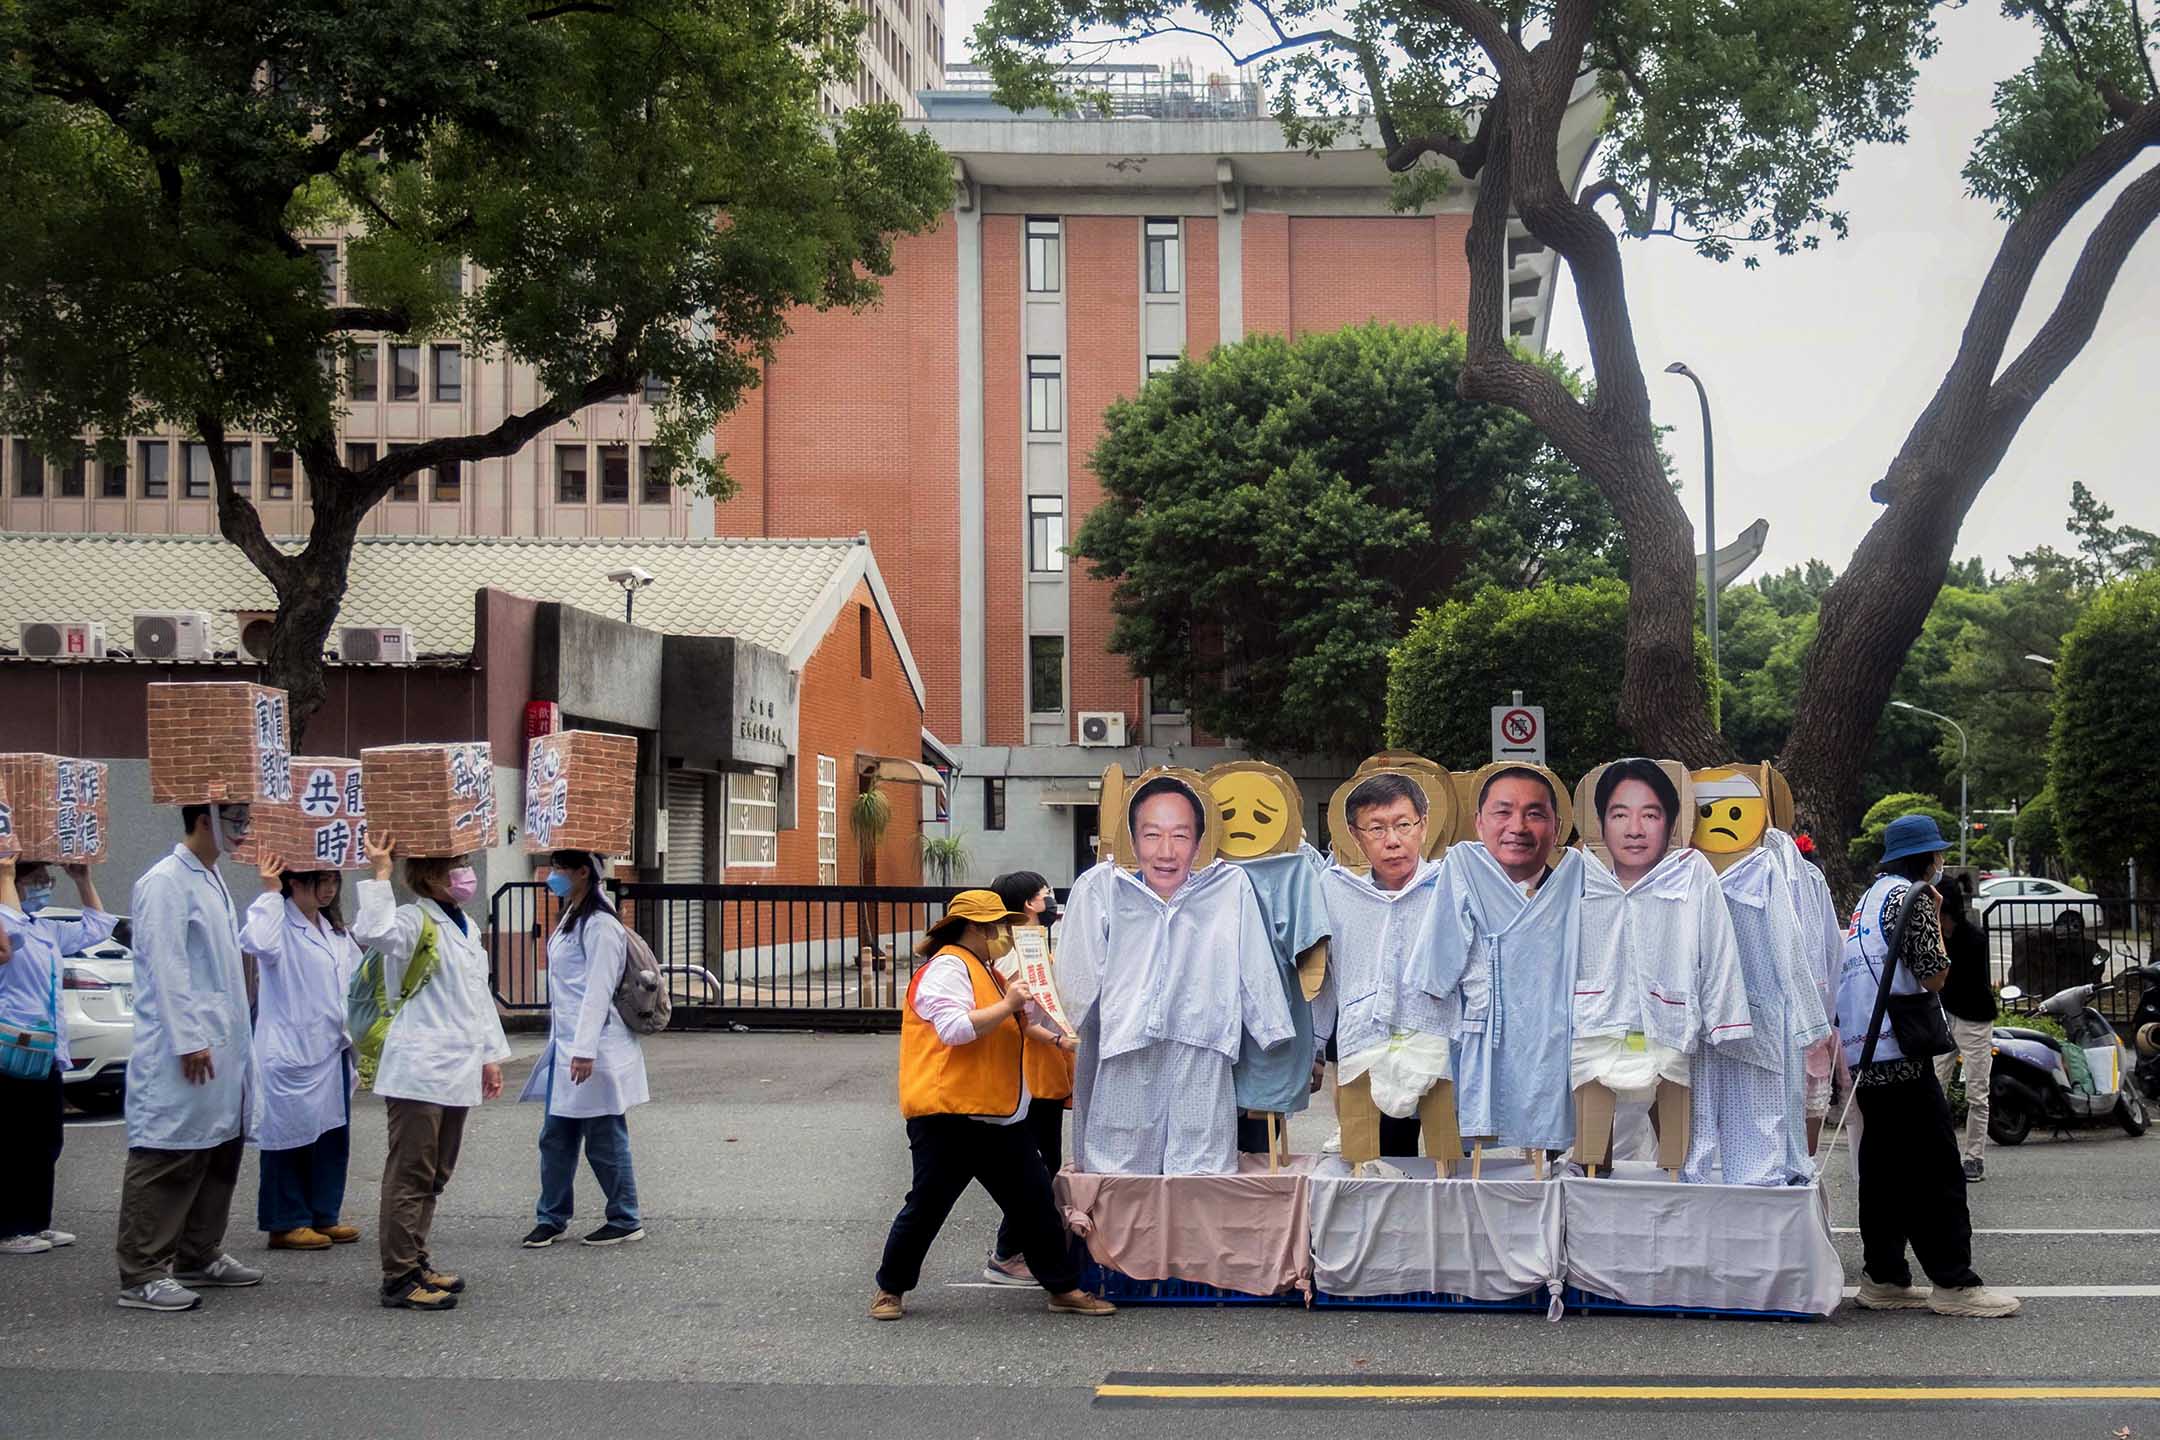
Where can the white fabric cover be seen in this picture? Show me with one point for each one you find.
(1644, 1240)
(1496, 1238)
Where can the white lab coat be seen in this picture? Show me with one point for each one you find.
(449, 1029)
(584, 967)
(302, 970)
(190, 995)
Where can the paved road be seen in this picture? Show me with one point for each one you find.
(770, 1166)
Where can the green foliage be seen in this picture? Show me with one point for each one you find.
(2107, 731)
(2052, 112)
(1561, 645)
(1274, 515)
(2105, 551)
(2038, 844)
(946, 858)
(1866, 848)
(871, 814)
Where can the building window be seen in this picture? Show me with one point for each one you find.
(614, 474)
(1521, 247)
(278, 479)
(359, 456)
(74, 476)
(862, 637)
(405, 372)
(753, 818)
(1046, 674)
(156, 469)
(325, 258)
(657, 483)
(993, 802)
(1161, 364)
(449, 374)
(406, 487)
(656, 389)
(201, 484)
(1164, 697)
(1046, 393)
(449, 481)
(1165, 272)
(570, 475)
(366, 372)
(452, 276)
(1523, 326)
(1046, 534)
(29, 471)
(113, 478)
(1045, 255)
(828, 820)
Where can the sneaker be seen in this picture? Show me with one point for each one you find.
(163, 1293)
(1333, 1144)
(1079, 1302)
(1972, 1302)
(304, 1238)
(1008, 1272)
(340, 1233)
(56, 1238)
(613, 1234)
(886, 1306)
(1889, 1297)
(414, 1293)
(25, 1245)
(223, 1273)
(541, 1237)
(1975, 1171)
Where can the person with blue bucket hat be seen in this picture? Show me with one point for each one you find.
(1912, 1179)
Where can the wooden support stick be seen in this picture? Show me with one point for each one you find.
(1477, 1161)
(1537, 1163)
(1591, 1171)
(1274, 1142)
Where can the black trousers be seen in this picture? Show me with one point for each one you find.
(30, 1139)
(952, 1150)
(1912, 1185)
(1045, 1125)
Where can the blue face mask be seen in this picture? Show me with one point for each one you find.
(558, 884)
(36, 898)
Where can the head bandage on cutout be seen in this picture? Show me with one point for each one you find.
(1733, 806)
(1440, 811)
(1590, 823)
(1190, 781)
(1563, 801)
(1258, 809)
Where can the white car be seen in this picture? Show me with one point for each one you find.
(97, 995)
(2028, 902)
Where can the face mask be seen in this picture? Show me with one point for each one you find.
(36, 898)
(558, 884)
(1049, 915)
(1001, 942)
(464, 884)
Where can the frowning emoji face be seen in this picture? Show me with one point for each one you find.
(1255, 813)
(1730, 812)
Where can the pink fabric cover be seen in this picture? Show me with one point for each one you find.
(1249, 1232)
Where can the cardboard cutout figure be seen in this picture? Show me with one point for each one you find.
(1441, 806)
(1750, 1103)
(1168, 970)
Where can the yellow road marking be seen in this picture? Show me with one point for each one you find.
(1865, 1393)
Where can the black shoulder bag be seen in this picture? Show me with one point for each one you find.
(1916, 1020)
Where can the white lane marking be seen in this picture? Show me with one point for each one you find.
(1854, 1230)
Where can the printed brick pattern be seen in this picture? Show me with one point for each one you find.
(221, 741)
(1103, 271)
(1348, 269)
(53, 808)
(580, 792)
(323, 827)
(431, 799)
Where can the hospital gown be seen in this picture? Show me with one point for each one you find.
(1387, 1026)
(1279, 1080)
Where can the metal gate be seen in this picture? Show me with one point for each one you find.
(681, 939)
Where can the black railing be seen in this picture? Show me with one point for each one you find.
(2046, 944)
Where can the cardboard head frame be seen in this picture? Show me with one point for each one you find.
(1563, 801)
(1124, 852)
(1259, 807)
(1589, 824)
(1733, 806)
(1440, 811)
(1110, 812)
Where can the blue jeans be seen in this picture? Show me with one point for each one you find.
(607, 1150)
(304, 1186)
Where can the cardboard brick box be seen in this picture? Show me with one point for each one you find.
(324, 827)
(53, 808)
(580, 792)
(220, 741)
(431, 799)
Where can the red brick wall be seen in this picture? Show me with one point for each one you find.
(1203, 286)
(1004, 382)
(1102, 343)
(1267, 274)
(1345, 270)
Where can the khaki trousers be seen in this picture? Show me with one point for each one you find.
(173, 1209)
(424, 1140)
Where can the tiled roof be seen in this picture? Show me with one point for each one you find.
(763, 591)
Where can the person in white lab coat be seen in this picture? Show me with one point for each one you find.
(442, 1055)
(304, 961)
(593, 1070)
(192, 1092)
(31, 948)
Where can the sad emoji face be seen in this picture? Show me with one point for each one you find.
(1730, 812)
(1256, 815)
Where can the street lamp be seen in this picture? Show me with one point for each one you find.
(632, 579)
(1964, 829)
(2041, 660)
(1709, 518)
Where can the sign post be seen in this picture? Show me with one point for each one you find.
(1518, 732)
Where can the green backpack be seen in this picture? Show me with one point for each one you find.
(368, 1011)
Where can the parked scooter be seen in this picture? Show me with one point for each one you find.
(2145, 1031)
(2034, 1082)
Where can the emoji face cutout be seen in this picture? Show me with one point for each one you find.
(1731, 811)
(1260, 810)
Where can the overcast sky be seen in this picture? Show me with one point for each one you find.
(1817, 364)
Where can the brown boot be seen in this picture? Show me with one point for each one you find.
(414, 1293)
(340, 1233)
(1079, 1302)
(886, 1306)
(304, 1238)
(442, 1280)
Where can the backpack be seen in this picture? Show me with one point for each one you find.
(368, 1009)
(642, 1001)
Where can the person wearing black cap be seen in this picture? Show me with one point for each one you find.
(963, 1091)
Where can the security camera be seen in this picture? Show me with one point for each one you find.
(631, 577)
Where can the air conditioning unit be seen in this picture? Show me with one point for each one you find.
(255, 627)
(172, 635)
(1102, 727)
(61, 639)
(375, 644)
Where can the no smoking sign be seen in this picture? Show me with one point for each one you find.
(1518, 733)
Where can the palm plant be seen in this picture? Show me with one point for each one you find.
(945, 857)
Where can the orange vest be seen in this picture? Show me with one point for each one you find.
(979, 1078)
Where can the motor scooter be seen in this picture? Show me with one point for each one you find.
(2032, 1082)
(2145, 1031)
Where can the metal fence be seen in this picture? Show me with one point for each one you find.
(2044, 945)
(772, 956)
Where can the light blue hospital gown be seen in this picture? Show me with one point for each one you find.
(1288, 886)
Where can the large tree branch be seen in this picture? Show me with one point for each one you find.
(507, 438)
(238, 520)
(388, 319)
